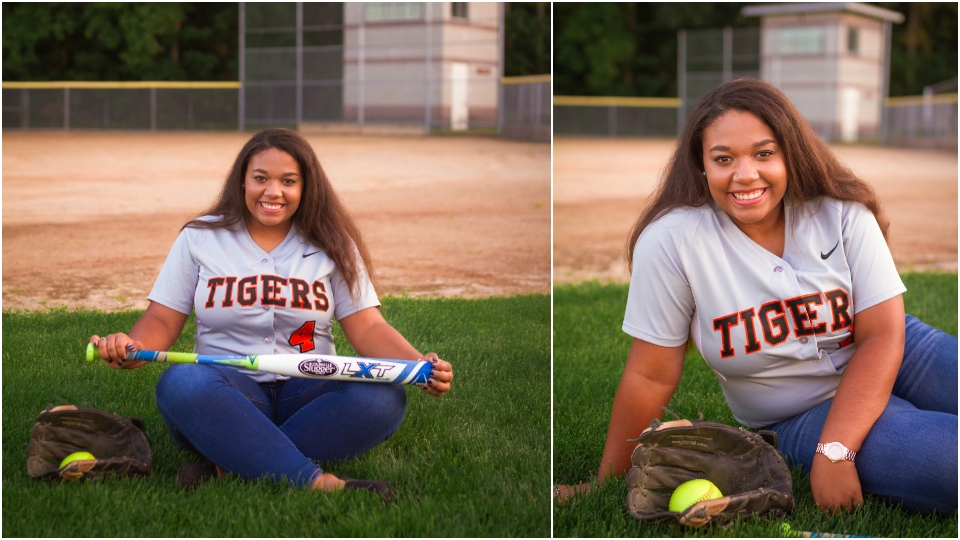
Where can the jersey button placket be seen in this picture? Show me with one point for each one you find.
(266, 308)
(779, 269)
(266, 260)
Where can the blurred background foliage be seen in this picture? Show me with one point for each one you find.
(527, 38)
(615, 49)
(630, 49)
(180, 41)
(54, 41)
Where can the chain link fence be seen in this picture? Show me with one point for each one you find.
(705, 58)
(424, 66)
(615, 116)
(524, 111)
(708, 58)
(120, 105)
(928, 121)
(410, 67)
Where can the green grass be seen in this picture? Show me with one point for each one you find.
(472, 463)
(589, 354)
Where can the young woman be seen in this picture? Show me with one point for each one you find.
(267, 270)
(767, 252)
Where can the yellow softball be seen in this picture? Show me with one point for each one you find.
(76, 456)
(691, 492)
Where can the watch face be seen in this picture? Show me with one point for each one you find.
(834, 451)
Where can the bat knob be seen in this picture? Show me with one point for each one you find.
(89, 352)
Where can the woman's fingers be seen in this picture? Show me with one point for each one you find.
(563, 493)
(441, 377)
(443, 371)
(113, 348)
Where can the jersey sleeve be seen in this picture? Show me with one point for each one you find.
(874, 275)
(344, 305)
(660, 303)
(177, 282)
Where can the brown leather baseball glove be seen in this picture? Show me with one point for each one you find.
(752, 475)
(120, 445)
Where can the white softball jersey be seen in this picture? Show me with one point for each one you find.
(249, 301)
(777, 331)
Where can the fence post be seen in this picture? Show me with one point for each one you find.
(885, 83)
(681, 79)
(521, 102)
(299, 61)
(153, 108)
(928, 110)
(427, 71)
(535, 119)
(360, 59)
(501, 36)
(727, 54)
(241, 92)
(24, 108)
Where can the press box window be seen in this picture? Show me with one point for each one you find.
(853, 40)
(459, 10)
(801, 40)
(393, 11)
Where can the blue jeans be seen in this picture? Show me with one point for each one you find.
(910, 454)
(275, 430)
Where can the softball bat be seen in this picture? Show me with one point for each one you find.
(790, 533)
(308, 366)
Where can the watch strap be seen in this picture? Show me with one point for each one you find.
(849, 455)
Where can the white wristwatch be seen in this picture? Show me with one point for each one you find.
(836, 452)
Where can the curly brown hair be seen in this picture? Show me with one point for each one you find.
(813, 171)
(321, 218)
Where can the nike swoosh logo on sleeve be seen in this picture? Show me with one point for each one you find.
(829, 253)
(305, 255)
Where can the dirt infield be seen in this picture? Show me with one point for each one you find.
(88, 217)
(601, 184)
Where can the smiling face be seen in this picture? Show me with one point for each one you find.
(272, 187)
(746, 172)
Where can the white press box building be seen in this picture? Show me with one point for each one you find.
(832, 60)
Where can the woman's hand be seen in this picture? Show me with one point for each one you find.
(113, 349)
(835, 486)
(861, 398)
(442, 375)
(563, 493)
(372, 337)
(159, 328)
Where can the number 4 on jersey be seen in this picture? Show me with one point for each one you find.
(303, 337)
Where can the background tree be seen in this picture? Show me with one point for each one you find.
(181, 41)
(630, 49)
(924, 48)
(119, 41)
(527, 38)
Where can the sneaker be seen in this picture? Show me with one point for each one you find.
(191, 474)
(373, 486)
